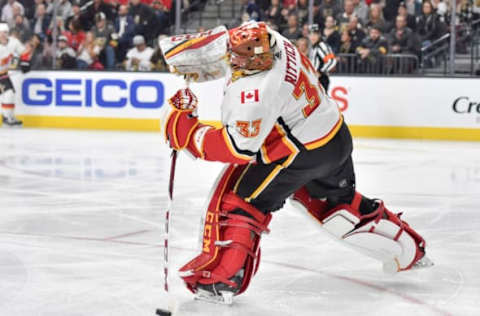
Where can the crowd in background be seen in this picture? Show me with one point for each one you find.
(366, 28)
(124, 34)
(93, 34)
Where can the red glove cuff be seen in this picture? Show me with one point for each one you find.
(179, 128)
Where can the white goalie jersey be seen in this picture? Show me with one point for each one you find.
(274, 112)
(13, 48)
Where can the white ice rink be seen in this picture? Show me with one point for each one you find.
(81, 228)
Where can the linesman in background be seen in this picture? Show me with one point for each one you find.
(322, 56)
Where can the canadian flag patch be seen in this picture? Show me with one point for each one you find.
(249, 96)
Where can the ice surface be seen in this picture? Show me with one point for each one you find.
(81, 228)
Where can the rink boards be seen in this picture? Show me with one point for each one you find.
(430, 108)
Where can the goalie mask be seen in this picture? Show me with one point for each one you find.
(250, 47)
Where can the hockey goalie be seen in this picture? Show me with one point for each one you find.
(281, 137)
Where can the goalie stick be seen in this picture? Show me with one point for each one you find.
(173, 162)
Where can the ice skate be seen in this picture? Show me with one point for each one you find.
(11, 122)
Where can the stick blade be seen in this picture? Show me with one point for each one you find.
(162, 312)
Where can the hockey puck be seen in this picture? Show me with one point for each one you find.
(163, 312)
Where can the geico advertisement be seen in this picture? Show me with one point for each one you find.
(90, 94)
(107, 94)
(428, 102)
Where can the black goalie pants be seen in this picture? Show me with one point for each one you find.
(327, 172)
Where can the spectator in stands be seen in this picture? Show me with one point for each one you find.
(92, 8)
(145, 20)
(411, 21)
(162, 15)
(21, 29)
(61, 30)
(305, 30)
(372, 50)
(41, 22)
(361, 10)
(75, 35)
(302, 45)
(76, 15)
(355, 31)
(30, 7)
(289, 4)
(331, 36)
(274, 13)
(442, 9)
(37, 61)
(464, 11)
(429, 27)
(251, 8)
(302, 11)
(139, 57)
(347, 46)
(8, 10)
(17, 10)
(327, 8)
(64, 9)
(401, 39)
(103, 31)
(66, 56)
(346, 63)
(88, 53)
(124, 32)
(376, 18)
(292, 32)
(390, 9)
(343, 18)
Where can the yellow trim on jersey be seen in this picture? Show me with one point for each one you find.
(231, 148)
(278, 168)
(325, 139)
(263, 152)
(235, 188)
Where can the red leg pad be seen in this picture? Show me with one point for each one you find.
(314, 207)
(230, 240)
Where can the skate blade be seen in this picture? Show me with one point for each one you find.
(225, 298)
(393, 266)
(423, 263)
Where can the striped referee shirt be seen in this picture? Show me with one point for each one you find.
(323, 57)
